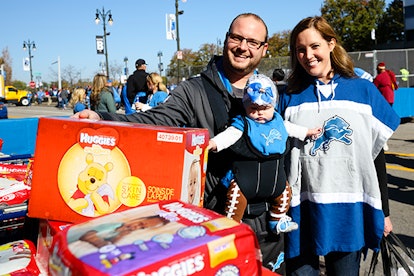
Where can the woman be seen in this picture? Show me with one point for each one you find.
(336, 196)
(102, 98)
(78, 100)
(158, 93)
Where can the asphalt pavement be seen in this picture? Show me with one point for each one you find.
(36, 110)
(400, 170)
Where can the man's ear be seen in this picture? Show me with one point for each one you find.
(265, 47)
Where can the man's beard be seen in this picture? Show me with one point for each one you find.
(242, 69)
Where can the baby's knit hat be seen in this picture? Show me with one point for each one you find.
(260, 90)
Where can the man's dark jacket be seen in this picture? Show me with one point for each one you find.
(137, 82)
(192, 104)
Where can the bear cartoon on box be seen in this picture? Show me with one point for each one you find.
(93, 192)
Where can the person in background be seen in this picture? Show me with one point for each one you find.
(363, 74)
(40, 94)
(78, 100)
(258, 174)
(209, 101)
(59, 98)
(137, 82)
(117, 96)
(29, 97)
(102, 98)
(64, 96)
(88, 96)
(278, 77)
(119, 91)
(405, 74)
(54, 92)
(157, 94)
(48, 96)
(336, 197)
(3, 111)
(386, 82)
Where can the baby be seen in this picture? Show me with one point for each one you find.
(257, 182)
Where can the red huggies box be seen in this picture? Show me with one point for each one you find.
(17, 258)
(165, 238)
(47, 231)
(85, 169)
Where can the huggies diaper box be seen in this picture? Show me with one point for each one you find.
(47, 231)
(17, 258)
(164, 238)
(85, 169)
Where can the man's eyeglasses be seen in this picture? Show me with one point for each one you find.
(251, 43)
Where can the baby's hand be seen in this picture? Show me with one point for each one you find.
(313, 133)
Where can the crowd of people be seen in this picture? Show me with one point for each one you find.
(339, 200)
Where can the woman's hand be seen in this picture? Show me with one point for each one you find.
(387, 226)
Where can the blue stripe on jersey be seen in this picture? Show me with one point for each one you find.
(334, 227)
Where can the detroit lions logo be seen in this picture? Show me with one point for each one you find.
(335, 129)
(280, 259)
(273, 135)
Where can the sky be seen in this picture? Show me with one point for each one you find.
(66, 30)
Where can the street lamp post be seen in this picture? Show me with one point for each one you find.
(102, 14)
(29, 44)
(59, 76)
(126, 66)
(177, 13)
(160, 65)
(218, 46)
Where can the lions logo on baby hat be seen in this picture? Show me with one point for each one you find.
(260, 90)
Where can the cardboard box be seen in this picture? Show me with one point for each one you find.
(85, 169)
(166, 238)
(18, 258)
(47, 231)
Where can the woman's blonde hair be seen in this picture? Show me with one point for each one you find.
(78, 95)
(156, 80)
(341, 62)
(99, 82)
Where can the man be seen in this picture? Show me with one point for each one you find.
(209, 101)
(137, 82)
(386, 82)
(278, 76)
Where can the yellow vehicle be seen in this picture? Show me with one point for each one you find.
(10, 94)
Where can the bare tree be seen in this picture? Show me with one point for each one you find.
(6, 60)
(115, 70)
(71, 74)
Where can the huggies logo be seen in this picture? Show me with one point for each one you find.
(197, 140)
(185, 267)
(105, 137)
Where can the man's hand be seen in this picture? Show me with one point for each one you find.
(86, 114)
